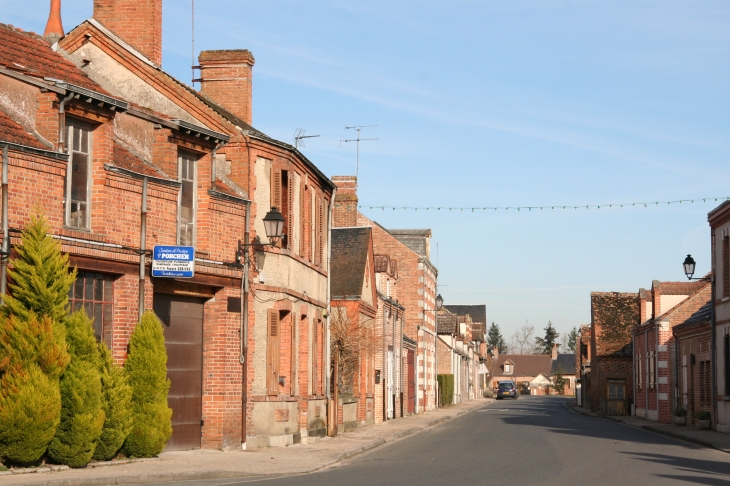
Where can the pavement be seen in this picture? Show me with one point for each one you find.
(706, 438)
(206, 465)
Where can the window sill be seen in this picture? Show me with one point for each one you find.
(82, 233)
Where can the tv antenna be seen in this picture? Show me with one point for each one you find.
(358, 140)
(299, 135)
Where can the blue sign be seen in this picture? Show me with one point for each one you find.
(173, 261)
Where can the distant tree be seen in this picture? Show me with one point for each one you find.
(572, 338)
(495, 339)
(521, 340)
(559, 381)
(545, 345)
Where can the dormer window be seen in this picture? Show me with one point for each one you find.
(507, 368)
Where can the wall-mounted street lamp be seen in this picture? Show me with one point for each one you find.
(274, 227)
(689, 269)
(439, 302)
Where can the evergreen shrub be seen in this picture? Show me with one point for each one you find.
(117, 405)
(146, 370)
(82, 416)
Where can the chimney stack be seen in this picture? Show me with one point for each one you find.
(344, 208)
(226, 78)
(54, 27)
(555, 351)
(656, 299)
(136, 22)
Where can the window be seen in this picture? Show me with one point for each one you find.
(507, 368)
(726, 266)
(616, 390)
(705, 383)
(187, 201)
(651, 366)
(95, 294)
(272, 352)
(78, 175)
(282, 194)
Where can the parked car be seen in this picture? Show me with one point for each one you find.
(507, 389)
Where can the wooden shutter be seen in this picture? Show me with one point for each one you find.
(316, 231)
(290, 211)
(315, 359)
(302, 217)
(320, 218)
(272, 352)
(293, 356)
(323, 374)
(726, 266)
(726, 358)
(276, 188)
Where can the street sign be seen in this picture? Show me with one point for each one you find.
(173, 261)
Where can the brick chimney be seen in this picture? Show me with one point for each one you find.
(344, 209)
(136, 22)
(656, 299)
(495, 353)
(555, 351)
(226, 78)
(54, 27)
(642, 306)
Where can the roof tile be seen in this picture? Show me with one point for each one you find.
(14, 133)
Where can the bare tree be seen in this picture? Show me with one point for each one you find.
(564, 337)
(522, 341)
(350, 339)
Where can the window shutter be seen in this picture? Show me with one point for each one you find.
(273, 352)
(302, 218)
(726, 266)
(276, 188)
(323, 373)
(726, 355)
(290, 212)
(293, 357)
(317, 215)
(320, 229)
(315, 359)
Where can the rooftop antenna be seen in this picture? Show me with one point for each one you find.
(299, 135)
(192, 56)
(358, 139)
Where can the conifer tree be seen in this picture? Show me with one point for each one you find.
(572, 339)
(495, 339)
(146, 370)
(545, 345)
(117, 405)
(82, 416)
(33, 352)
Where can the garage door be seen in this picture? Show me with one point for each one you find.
(182, 319)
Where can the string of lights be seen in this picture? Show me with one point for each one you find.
(557, 207)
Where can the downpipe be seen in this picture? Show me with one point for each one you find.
(5, 253)
(243, 358)
(142, 247)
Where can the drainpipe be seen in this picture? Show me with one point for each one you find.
(382, 372)
(394, 313)
(142, 246)
(401, 363)
(5, 253)
(62, 122)
(243, 358)
(656, 367)
(328, 347)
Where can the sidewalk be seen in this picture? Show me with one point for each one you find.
(706, 438)
(210, 464)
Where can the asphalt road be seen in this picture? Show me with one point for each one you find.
(532, 440)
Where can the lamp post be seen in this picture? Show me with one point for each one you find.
(274, 227)
(689, 270)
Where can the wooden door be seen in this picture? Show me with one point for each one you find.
(182, 319)
(411, 381)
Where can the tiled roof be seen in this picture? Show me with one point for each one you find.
(702, 315)
(124, 159)
(447, 323)
(224, 188)
(349, 255)
(478, 313)
(32, 55)
(679, 288)
(525, 364)
(14, 133)
(564, 361)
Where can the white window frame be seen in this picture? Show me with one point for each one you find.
(187, 156)
(71, 127)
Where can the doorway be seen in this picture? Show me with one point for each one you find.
(182, 324)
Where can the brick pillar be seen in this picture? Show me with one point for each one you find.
(344, 209)
(136, 22)
(226, 78)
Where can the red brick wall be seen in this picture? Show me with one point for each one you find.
(137, 22)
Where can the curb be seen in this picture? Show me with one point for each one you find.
(666, 433)
(207, 475)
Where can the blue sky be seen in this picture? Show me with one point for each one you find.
(495, 103)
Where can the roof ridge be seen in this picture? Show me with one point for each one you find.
(29, 33)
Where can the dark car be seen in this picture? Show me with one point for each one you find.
(507, 389)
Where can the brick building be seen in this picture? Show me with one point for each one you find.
(530, 372)
(416, 284)
(613, 316)
(655, 379)
(98, 102)
(354, 307)
(583, 366)
(693, 339)
(719, 219)
(390, 358)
